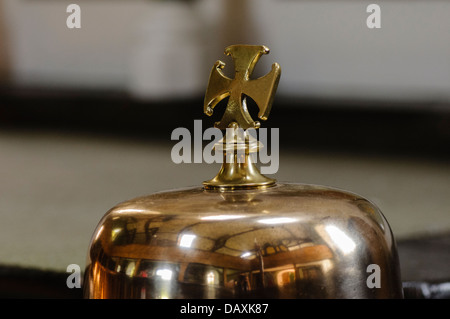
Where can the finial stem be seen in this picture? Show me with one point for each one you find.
(238, 169)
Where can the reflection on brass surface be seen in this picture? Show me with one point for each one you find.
(286, 241)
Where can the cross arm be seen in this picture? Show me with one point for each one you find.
(262, 90)
(218, 88)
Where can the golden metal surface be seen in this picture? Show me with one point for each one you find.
(286, 241)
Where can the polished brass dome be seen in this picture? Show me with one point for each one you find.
(286, 241)
(242, 235)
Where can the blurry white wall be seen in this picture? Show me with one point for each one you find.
(324, 47)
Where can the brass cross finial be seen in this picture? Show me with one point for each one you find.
(261, 90)
(238, 169)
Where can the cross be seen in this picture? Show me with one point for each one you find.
(261, 90)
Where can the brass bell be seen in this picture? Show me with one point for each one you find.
(241, 234)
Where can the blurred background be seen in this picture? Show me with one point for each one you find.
(86, 115)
